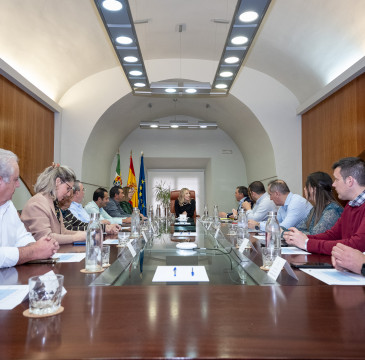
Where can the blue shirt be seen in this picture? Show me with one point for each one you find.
(294, 210)
(79, 212)
(92, 207)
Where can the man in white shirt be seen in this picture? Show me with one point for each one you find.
(76, 206)
(263, 204)
(17, 245)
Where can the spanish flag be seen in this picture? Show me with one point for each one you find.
(132, 183)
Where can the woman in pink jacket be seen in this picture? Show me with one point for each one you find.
(41, 214)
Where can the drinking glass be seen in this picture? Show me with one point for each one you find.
(45, 294)
(105, 255)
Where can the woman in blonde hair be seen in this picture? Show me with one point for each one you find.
(184, 205)
(42, 215)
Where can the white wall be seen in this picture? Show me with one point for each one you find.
(225, 172)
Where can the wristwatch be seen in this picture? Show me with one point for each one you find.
(363, 270)
(258, 228)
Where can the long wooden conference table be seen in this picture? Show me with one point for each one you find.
(121, 314)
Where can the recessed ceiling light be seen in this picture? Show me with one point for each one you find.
(125, 40)
(203, 126)
(231, 60)
(248, 16)
(190, 91)
(226, 74)
(135, 73)
(239, 40)
(221, 86)
(139, 84)
(130, 59)
(174, 126)
(154, 126)
(112, 5)
(170, 90)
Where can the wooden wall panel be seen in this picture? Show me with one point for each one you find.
(334, 129)
(27, 129)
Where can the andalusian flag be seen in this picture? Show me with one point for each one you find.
(118, 178)
(142, 190)
(132, 183)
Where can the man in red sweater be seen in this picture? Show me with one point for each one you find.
(349, 174)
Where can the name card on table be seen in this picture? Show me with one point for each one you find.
(144, 236)
(246, 244)
(131, 248)
(217, 233)
(278, 264)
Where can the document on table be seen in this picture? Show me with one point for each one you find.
(180, 274)
(111, 242)
(12, 295)
(292, 250)
(184, 233)
(335, 277)
(259, 237)
(69, 257)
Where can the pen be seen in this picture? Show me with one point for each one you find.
(192, 271)
(174, 271)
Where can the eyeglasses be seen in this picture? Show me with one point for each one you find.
(69, 187)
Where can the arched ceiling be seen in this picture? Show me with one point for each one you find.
(303, 44)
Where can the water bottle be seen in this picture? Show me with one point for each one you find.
(216, 219)
(158, 211)
(242, 219)
(135, 223)
(206, 214)
(94, 244)
(150, 213)
(272, 233)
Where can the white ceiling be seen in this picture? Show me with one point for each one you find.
(304, 44)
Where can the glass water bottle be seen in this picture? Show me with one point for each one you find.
(135, 223)
(272, 233)
(94, 244)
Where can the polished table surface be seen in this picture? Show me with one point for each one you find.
(296, 320)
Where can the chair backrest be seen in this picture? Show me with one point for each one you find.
(175, 195)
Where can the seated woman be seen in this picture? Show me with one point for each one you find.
(184, 205)
(41, 214)
(326, 210)
(127, 196)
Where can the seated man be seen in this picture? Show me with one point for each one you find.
(349, 174)
(100, 199)
(72, 223)
(17, 245)
(241, 195)
(113, 207)
(293, 207)
(76, 205)
(263, 204)
(347, 258)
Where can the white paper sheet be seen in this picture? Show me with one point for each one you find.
(184, 233)
(335, 277)
(292, 250)
(182, 274)
(69, 257)
(111, 242)
(12, 295)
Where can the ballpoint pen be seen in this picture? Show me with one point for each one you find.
(174, 271)
(192, 271)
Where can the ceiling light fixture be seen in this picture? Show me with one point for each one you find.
(221, 86)
(239, 40)
(112, 5)
(226, 74)
(170, 90)
(135, 73)
(248, 16)
(231, 60)
(190, 91)
(130, 59)
(175, 126)
(124, 40)
(140, 84)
